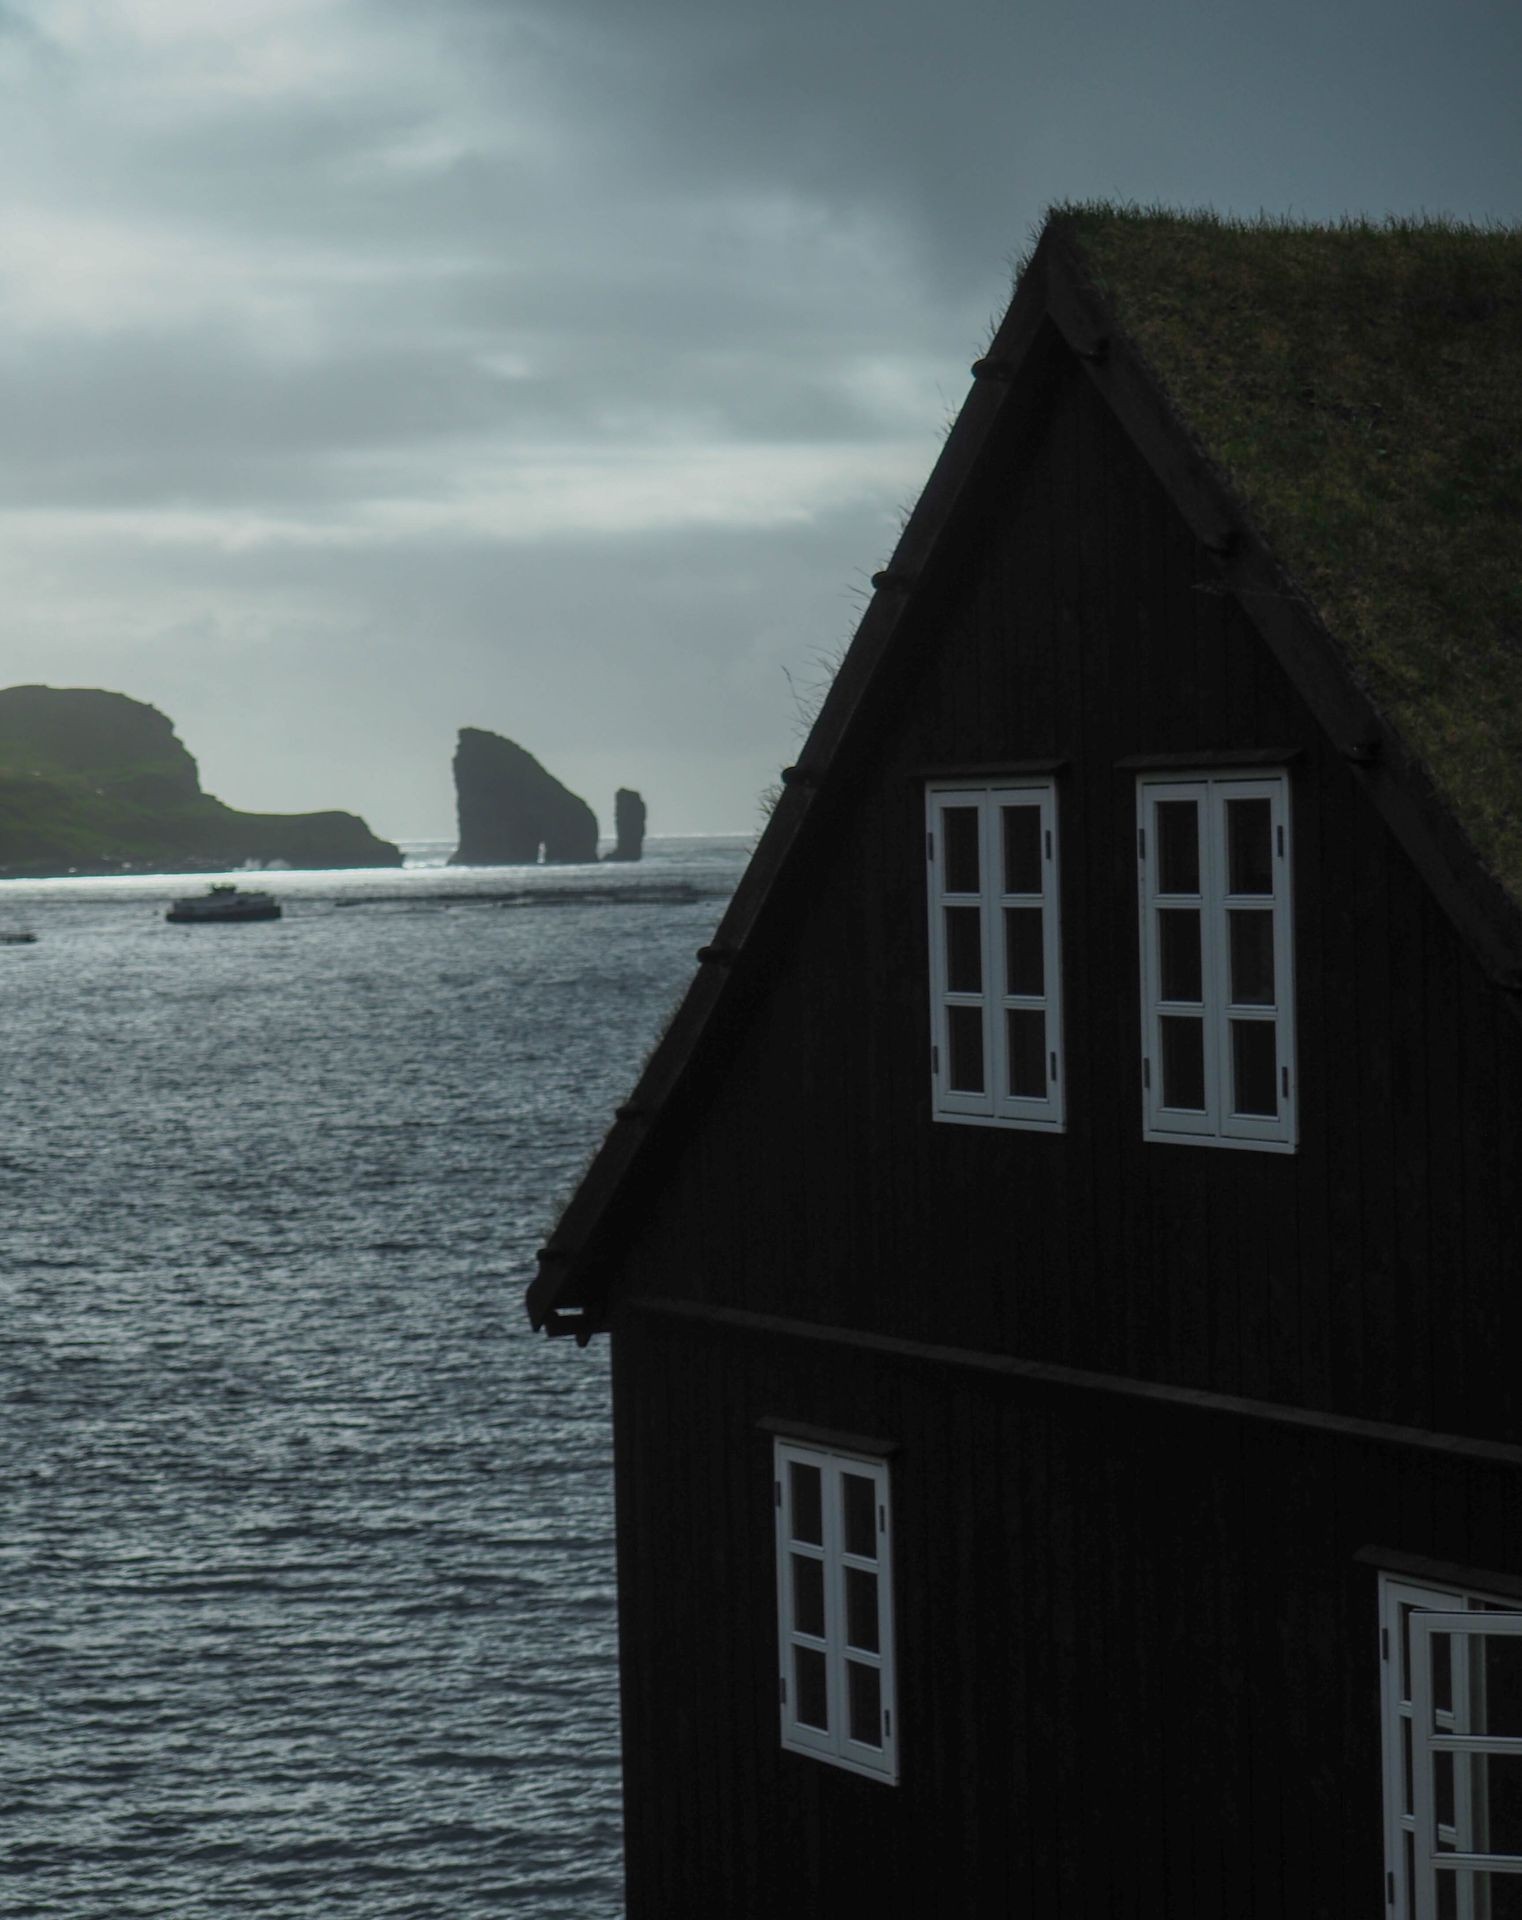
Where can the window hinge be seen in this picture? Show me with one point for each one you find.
(1048, 843)
(1053, 1074)
(1141, 843)
(882, 1519)
(1281, 843)
(1390, 1888)
(887, 1723)
(1284, 1080)
(1146, 1071)
(929, 846)
(935, 1059)
(1384, 1643)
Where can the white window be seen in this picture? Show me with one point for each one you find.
(1218, 1042)
(995, 955)
(1452, 1722)
(835, 1608)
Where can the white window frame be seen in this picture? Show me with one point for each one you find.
(995, 1105)
(1418, 1848)
(833, 1743)
(1216, 1124)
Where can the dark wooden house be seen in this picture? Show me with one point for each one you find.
(1063, 1263)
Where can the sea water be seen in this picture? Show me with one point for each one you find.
(306, 1577)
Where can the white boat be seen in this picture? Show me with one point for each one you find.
(224, 901)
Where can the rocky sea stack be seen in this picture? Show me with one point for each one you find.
(92, 782)
(628, 825)
(512, 812)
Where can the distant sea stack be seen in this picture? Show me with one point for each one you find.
(512, 812)
(92, 782)
(628, 824)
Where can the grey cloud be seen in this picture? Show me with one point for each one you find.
(488, 232)
(143, 419)
(148, 421)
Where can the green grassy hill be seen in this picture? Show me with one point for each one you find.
(92, 782)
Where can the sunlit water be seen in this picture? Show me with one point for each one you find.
(306, 1583)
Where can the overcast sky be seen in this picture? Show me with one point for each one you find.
(371, 368)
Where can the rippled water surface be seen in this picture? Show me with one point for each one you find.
(306, 1583)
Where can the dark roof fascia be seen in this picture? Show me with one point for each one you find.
(572, 1273)
(1396, 785)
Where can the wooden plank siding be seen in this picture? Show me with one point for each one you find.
(1370, 1273)
(1137, 1647)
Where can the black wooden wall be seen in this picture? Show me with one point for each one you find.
(1138, 1656)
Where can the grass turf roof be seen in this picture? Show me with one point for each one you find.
(1360, 388)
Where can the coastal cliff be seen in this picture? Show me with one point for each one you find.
(512, 811)
(93, 782)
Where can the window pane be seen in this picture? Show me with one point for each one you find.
(805, 1497)
(808, 1595)
(1183, 1063)
(964, 949)
(810, 1698)
(1249, 846)
(1495, 1687)
(858, 1501)
(864, 1694)
(1502, 1892)
(861, 1609)
(1022, 849)
(1024, 958)
(1178, 846)
(1495, 1802)
(964, 1035)
(1442, 1673)
(1026, 1036)
(1408, 1771)
(1178, 946)
(959, 844)
(1252, 958)
(1254, 1068)
(1442, 1796)
(1406, 1612)
(1475, 1893)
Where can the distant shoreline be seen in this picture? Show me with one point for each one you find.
(411, 850)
